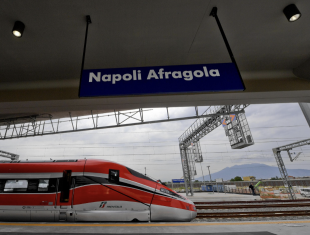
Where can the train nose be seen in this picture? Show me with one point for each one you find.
(193, 210)
(194, 214)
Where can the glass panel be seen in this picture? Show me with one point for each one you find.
(16, 186)
(43, 185)
(114, 175)
(2, 183)
(33, 185)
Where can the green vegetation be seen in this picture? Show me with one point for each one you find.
(237, 178)
(276, 178)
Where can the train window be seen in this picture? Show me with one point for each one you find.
(32, 185)
(2, 183)
(16, 186)
(43, 185)
(81, 181)
(137, 174)
(114, 175)
(52, 185)
(65, 184)
(171, 193)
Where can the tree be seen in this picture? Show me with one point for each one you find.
(237, 178)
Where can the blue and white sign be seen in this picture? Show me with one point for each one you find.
(160, 80)
(178, 181)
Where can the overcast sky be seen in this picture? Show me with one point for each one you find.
(155, 146)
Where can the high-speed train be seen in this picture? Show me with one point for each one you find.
(86, 190)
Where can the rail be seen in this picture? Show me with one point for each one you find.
(252, 202)
(253, 214)
(225, 207)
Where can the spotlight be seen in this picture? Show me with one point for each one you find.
(18, 29)
(292, 13)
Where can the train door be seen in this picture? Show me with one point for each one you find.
(43, 194)
(65, 194)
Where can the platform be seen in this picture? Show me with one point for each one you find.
(300, 227)
(214, 197)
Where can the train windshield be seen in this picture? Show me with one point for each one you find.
(171, 193)
(137, 174)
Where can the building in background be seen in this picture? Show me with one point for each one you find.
(249, 178)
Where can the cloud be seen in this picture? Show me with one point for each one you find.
(155, 146)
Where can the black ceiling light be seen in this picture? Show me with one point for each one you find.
(292, 13)
(18, 29)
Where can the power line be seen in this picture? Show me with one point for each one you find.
(136, 146)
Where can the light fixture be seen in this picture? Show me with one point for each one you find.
(292, 13)
(18, 29)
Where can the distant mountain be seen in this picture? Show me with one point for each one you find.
(260, 171)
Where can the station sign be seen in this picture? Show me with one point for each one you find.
(160, 80)
(178, 181)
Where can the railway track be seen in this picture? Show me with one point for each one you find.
(224, 207)
(266, 209)
(252, 202)
(252, 214)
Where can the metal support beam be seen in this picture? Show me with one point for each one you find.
(305, 108)
(283, 172)
(44, 124)
(201, 127)
(88, 21)
(290, 156)
(208, 121)
(214, 14)
(294, 145)
(12, 156)
(282, 169)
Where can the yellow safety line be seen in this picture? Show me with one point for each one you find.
(158, 224)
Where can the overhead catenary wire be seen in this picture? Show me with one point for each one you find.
(170, 145)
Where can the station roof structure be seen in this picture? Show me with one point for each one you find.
(40, 72)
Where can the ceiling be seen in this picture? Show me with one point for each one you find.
(39, 73)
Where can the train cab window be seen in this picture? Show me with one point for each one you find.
(171, 193)
(65, 184)
(16, 186)
(114, 175)
(139, 175)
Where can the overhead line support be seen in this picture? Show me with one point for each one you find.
(88, 21)
(214, 14)
(281, 166)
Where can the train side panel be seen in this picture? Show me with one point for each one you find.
(28, 190)
(86, 190)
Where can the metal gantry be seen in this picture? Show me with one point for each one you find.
(209, 120)
(12, 156)
(282, 169)
(46, 124)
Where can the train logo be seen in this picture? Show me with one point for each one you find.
(102, 204)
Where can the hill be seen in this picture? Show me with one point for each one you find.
(260, 171)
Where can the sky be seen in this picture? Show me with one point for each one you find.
(154, 147)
